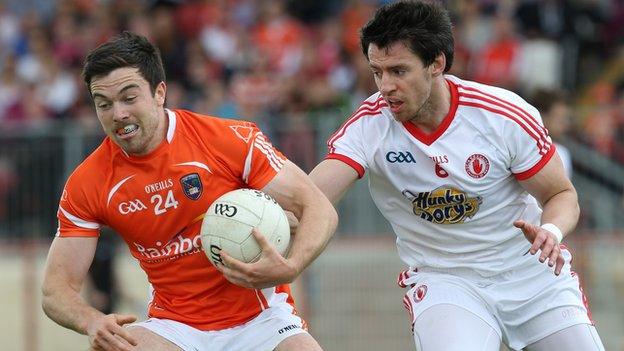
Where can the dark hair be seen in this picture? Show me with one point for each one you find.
(425, 27)
(126, 50)
(544, 99)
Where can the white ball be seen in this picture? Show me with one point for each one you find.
(229, 220)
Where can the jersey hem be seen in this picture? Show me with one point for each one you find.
(349, 161)
(538, 166)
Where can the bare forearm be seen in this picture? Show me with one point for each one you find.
(316, 227)
(334, 178)
(562, 210)
(67, 308)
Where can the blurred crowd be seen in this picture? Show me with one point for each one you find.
(280, 62)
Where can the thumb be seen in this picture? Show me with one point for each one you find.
(122, 319)
(528, 229)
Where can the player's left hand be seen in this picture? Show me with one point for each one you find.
(542, 239)
(270, 270)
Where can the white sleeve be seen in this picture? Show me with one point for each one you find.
(347, 145)
(530, 147)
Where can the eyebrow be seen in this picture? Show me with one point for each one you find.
(395, 66)
(127, 87)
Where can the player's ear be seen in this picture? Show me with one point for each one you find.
(160, 93)
(438, 65)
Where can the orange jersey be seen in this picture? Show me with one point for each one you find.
(156, 203)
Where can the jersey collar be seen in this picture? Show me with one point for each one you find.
(428, 139)
(172, 124)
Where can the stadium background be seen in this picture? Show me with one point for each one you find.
(295, 68)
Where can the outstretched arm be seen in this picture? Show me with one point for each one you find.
(334, 178)
(66, 268)
(560, 207)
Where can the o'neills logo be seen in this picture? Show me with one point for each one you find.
(176, 246)
(444, 205)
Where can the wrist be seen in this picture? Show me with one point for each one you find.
(555, 230)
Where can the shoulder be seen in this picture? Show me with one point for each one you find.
(86, 184)
(214, 130)
(486, 105)
(91, 170)
(369, 119)
(372, 111)
(492, 99)
(373, 106)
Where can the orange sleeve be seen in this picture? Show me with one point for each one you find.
(266, 162)
(249, 154)
(76, 212)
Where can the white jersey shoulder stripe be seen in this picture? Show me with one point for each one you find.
(367, 106)
(363, 111)
(487, 105)
(476, 93)
(267, 149)
(78, 221)
(542, 146)
(116, 187)
(274, 160)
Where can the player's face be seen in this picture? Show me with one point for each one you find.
(130, 114)
(404, 82)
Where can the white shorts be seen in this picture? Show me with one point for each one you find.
(523, 305)
(263, 333)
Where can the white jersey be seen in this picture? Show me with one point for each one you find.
(451, 196)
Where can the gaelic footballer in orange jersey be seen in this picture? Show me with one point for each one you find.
(156, 203)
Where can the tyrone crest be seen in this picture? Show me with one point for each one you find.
(192, 186)
(477, 166)
(419, 293)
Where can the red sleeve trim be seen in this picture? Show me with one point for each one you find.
(533, 170)
(349, 161)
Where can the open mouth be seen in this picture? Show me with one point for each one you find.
(395, 105)
(127, 131)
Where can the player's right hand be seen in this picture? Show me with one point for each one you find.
(270, 270)
(106, 333)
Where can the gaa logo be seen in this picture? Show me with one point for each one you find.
(400, 157)
(131, 207)
(226, 210)
(215, 252)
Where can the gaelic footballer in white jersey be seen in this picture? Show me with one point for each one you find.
(452, 196)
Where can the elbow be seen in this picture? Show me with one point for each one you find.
(577, 212)
(576, 208)
(46, 298)
(49, 295)
(333, 218)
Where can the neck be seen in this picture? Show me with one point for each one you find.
(160, 134)
(163, 126)
(432, 113)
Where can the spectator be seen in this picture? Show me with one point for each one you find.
(554, 107)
